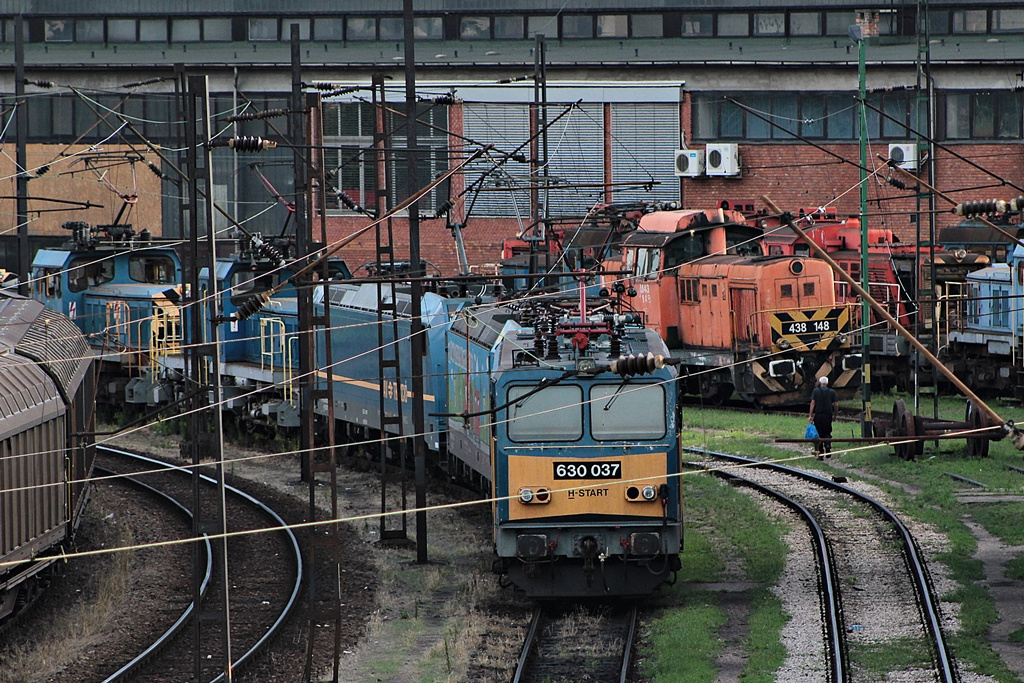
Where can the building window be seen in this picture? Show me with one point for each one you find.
(62, 111)
(838, 23)
(89, 31)
(217, 30)
(697, 25)
(286, 29)
(769, 24)
(734, 25)
(185, 31)
(577, 26)
(970, 21)
(805, 24)
(349, 134)
(361, 28)
(428, 28)
(474, 28)
(813, 115)
(152, 30)
(648, 26)
(1007, 20)
(547, 26)
(262, 29)
(121, 31)
(938, 22)
(508, 28)
(329, 29)
(613, 26)
(983, 115)
(392, 28)
(59, 30)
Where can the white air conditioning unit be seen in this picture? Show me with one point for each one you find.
(904, 155)
(723, 158)
(689, 162)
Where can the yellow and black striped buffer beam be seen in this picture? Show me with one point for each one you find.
(811, 330)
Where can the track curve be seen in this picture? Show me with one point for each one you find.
(927, 602)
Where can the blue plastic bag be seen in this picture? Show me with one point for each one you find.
(811, 432)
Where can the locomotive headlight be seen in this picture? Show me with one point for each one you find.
(525, 495)
(650, 492)
(783, 343)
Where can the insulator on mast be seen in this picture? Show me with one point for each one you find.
(253, 305)
(981, 207)
(250, 143)
(637, 365)
(258, 115)
(348, 201)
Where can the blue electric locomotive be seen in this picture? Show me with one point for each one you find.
(574, 423)
(356, 334)
(121, 289)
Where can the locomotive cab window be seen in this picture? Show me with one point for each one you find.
(157, 270)
(626, 411)
(244, 283)
(743, 241)
(648, 263)
(49, 281)
(84, 273)
(552, 414)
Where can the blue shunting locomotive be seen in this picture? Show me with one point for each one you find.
(121, 289)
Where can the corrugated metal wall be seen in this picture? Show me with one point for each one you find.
(643, 140)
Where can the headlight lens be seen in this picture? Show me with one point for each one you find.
(650, 493)
(525, 495)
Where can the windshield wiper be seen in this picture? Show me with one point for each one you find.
(611, 399)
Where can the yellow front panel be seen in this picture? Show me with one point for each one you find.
(585, 496)
(810, 330)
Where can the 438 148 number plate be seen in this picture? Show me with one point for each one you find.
(581, 469)
(804, 326)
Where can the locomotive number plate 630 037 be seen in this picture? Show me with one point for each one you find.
(588, 470)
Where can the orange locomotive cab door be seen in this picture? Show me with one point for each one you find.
(744, 306)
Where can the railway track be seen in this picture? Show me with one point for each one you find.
(265, 571)
(578, 644)
(873, 584)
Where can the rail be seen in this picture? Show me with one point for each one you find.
(280, 526)
(927, 601)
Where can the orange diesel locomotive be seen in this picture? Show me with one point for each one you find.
(763, 326)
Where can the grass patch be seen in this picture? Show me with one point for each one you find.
(765, 645)
(1015, 568)
(1001, 520)
(729, 515)
(683, 642)
(892, 655)
(932, 500)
